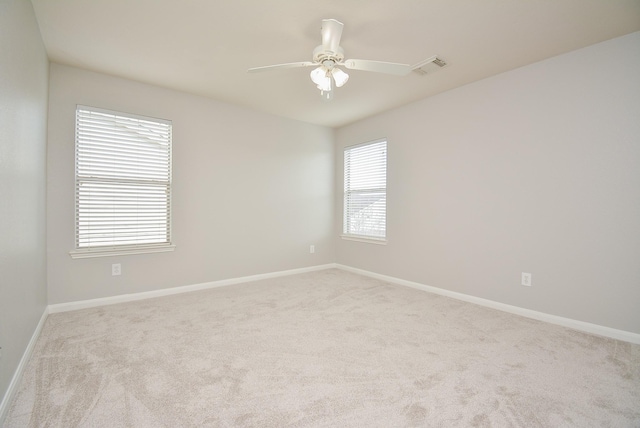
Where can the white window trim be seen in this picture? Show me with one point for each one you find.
(119, 250)
(367, 239)
(364, 238)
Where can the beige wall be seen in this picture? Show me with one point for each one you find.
(534, 170)
(251, 191)
(23, 123)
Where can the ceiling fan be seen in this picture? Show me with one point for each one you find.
(329, 55)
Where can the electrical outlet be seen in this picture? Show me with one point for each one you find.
(312, 249)
(526, 279)
(116, 269)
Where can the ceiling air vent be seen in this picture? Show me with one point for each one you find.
(428, 66)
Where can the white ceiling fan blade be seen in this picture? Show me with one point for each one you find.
(378, 66)
(331, 34)
(280, 66)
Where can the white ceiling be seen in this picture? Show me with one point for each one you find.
(206, 46)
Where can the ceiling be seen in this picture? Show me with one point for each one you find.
(205, 47)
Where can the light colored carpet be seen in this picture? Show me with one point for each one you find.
(322, 349)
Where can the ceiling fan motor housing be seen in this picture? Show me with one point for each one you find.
(320, 55)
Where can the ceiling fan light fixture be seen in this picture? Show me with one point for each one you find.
(325, 85)
(322, 78)
(339, 76)
(318, 75)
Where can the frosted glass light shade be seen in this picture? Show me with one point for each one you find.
(320, 76)
(317, 75)
(339, 76)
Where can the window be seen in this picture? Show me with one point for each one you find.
(123, 183)
(365, 191)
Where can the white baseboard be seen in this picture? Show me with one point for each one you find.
(84, 304)
(540, 316)
(17, 375)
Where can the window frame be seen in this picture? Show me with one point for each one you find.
(128, 248)
(380, 240)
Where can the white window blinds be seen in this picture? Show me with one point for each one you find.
(365, 190)
(123, 181)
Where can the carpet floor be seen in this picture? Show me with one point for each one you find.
(321, 349)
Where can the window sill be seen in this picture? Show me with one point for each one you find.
(116, 251)
(367, 239)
